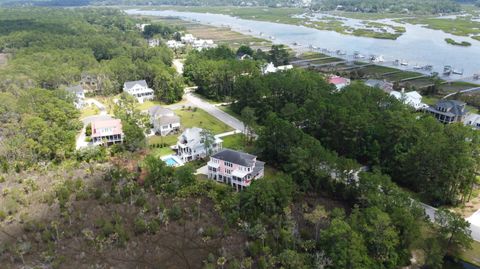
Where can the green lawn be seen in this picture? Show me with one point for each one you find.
(169, 139)
(472, 255)
(200, 118)
(148, 104)
(89, 111)
(237, 142)
(228, 109)
(160, 152)
(429, 100)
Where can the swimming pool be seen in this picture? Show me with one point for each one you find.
(171, 161)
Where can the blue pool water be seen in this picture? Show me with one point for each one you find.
(171, 162)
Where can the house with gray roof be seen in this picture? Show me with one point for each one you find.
(164, 120)
(381, 84)
(191, 144)
(138, 89)
(78, 94)
(235, 168)
(448, 111)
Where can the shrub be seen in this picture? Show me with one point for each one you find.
(140, 226)
(3, 215)
(175, 213)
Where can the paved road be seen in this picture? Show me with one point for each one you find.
(216, 112)
(462, 91)
(178, 65)
(474, 220)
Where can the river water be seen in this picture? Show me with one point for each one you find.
(417, 46)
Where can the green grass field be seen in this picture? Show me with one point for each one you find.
(200, 118)
(89, 111)
(461, 26)
(169, 139)
(472, 255)
(148, 104)
(160, 152)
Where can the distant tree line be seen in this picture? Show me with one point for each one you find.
(394, 6)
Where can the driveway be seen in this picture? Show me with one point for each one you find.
(80, 143)
(474, 220)
(178, 65)
(100, 106)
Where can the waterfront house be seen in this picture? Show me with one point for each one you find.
(190, 145)
(201, 44)
(472, 120)
(413, 99)
(164, 120)
(138, 89)
(381, 84)
(270, 68)
(153, 42)
(78, 94)
(235, 168)
(339, 82)
(173, 44)
(448, 111)
(107, 132)
(188, 39)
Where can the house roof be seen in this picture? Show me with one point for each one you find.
(236, 157)
(375, 83)
(164, 120)
(129, 84)
(106, 127)
(190, 137)
(453, 106)
(259, 165)
(414, 95)
(336, 80)
(77, 89)
(158, 111)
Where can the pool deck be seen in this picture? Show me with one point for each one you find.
(175, 158)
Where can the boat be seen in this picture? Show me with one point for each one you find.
(447, 70)
(396, 62)
(404, 63)
(428, 67)
(457, 72)
(417, 67)
(357, 55)
(377, 59)
(340, 52)
(476, 76)
(271, 37)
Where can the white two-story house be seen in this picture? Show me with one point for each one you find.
(190, 145)
(163, 120)
(138, 89)
(78, 94)
(235, 168)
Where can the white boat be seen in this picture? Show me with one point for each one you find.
(457, 72)
(417, 67)
(377, 59)
(404, 63)
(341, 52)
